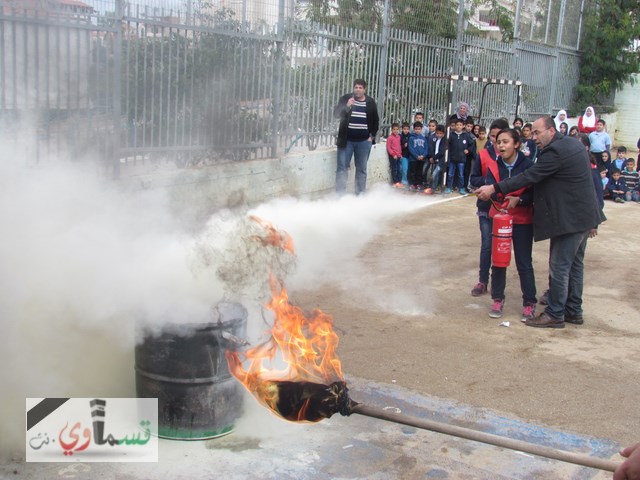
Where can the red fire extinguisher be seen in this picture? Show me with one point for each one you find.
(501, 241)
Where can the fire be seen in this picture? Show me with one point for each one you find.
(312, 375)
(273, 237)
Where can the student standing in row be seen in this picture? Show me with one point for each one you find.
(600, 142)
(437, 149)
(461, 145)
(394, 151)
(418, 153)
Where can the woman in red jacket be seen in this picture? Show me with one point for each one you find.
(587, 122)
(510, 162)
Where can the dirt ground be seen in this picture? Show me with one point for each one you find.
(581, 379)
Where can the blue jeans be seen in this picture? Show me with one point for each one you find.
(522, 238)
(566, 274)
(486, 225)
(360, 152)
(404, 166)
(451, 172)
(632, 196)
(435, 176)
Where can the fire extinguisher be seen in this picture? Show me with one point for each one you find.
(501, 241)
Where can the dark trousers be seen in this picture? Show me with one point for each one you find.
(415, 175)
(486, 224)
(522, 248)
(566, 274)
(395, 165)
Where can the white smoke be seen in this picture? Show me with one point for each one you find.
(85, 263)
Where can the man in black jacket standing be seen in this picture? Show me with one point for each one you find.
(359, 122)
(566, 211)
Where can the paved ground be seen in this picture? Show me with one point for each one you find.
(355, 447)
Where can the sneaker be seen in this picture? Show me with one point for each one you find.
(413, 188)
(479, 289)
(398, 185)
(528, 312)
(447, 190)
(496, 309)
(619, 200)
(462, 191)
(428, 191)
(544, 299)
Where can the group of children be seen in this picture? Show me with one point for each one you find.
(416, 158)
(417, 153)
(620, 180)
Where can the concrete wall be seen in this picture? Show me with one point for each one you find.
(197, 192)
(627, 104)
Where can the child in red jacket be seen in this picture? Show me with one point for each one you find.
(394, 150)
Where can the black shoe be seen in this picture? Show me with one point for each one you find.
(575, 319)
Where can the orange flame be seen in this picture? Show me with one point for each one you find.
(274, 237)
(307, 345)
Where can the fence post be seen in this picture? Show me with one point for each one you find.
(580, 25)
(117, 91)
(516, 27)
(554, 78)
(546, 29)
(458, 64)
(277, 80)
(384, 55)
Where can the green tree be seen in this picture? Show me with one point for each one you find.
(436, 17)
(429, 17)
(608, 57)
(360, 14)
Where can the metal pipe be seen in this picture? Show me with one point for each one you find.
(469, 434)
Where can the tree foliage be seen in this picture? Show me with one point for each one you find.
(608, 58)
(434, 17)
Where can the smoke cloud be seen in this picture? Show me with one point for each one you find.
(85, 264)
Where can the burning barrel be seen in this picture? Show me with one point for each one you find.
(186, 369)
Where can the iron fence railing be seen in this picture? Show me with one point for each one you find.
(194, 83)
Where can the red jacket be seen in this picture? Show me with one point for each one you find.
(522, 215)
(394, 148)
(587, 130)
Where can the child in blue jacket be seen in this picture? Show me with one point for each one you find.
(418, 153)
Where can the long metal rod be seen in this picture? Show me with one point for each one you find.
(469, 434)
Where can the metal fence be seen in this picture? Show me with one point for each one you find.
(212, 80)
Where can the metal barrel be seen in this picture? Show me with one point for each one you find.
(186, 370)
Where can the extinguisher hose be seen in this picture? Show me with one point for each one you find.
(495, 205)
